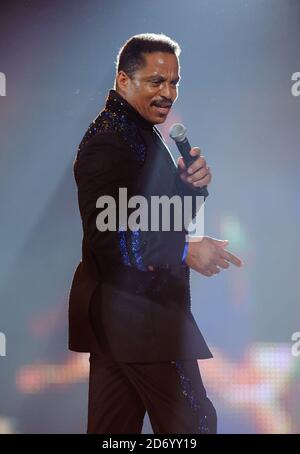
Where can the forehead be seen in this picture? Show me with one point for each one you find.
(161, 63)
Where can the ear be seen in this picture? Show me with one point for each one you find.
(122, 80)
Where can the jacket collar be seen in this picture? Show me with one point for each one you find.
(117, 104)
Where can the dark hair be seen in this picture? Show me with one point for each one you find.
(130, 57)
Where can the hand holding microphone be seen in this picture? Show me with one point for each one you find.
(194, 172)
(205, 255)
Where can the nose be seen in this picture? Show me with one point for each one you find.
(166, 92)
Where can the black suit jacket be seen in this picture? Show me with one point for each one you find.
(117, 307)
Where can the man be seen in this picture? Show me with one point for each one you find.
(130, 296)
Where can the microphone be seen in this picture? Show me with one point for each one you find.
(177, 132)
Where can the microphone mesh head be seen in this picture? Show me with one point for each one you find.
(177, 132)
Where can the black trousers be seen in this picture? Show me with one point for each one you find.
(171, 392)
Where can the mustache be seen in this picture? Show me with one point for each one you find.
(162, 103)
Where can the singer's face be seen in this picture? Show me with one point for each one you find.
(153, 88)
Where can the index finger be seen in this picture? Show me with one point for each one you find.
(195, 151)
(231, 258)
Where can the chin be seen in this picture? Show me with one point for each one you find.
(159, 120)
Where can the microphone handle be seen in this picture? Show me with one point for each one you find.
(184, 149)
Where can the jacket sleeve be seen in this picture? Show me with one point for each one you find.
(102, 166)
